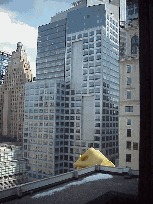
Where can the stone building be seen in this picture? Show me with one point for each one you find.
(129, 116)
(12, 94)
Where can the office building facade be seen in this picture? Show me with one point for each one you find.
(92, 82)
(91, 78)
(44, 127)
(129, 123)
(51, 51)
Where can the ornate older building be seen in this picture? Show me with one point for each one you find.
(129, 116)
(12, 94)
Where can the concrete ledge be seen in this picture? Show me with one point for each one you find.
(111, 169)
(46, 181)
(8, 192)
(127, 174)
(23, 189)
(97, 167)
(75, 174)
(135, 172)
(19, 191)
(86, 170)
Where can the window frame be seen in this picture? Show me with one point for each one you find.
(129, 95)
(128, 145)
(127, 122)
(134, 44)
(127, 66)
(129, 82)
(128, 109)
(135, 147)
(129, 132)
(128, 159)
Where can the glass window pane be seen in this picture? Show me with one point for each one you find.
(128, 132)
(128, 145)
(91, 33)
(128, 121)
(136, 39)
(128, 68)
(129, 80)
(133, 49)
(128, 157)
(128, 94)
(135, 146)
(79, 36)
(131, 108)
(133, 40)
(85, 35)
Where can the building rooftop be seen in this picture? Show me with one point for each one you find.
(95, 187)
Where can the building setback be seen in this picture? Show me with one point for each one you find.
(91, 93)
(129, 123)
(12, 94)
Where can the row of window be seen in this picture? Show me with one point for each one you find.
(112, 26)
(110, 144)
(114, 39)
(51, 53)
(108, 138)
(104, 138)
(109, 152)
(42, 85)
(128, 108)
(52, 47)
(51, 34)
(128, 145)
(51, 42)
(91, 33)
(51, 117)
(86, 40)
(50, 58)
(112, 21)
(52, 25)
(51, 64)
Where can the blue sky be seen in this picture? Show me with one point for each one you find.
(20, 20)
(35, 12)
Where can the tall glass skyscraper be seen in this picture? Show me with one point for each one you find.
(80, 47)
(51, 50)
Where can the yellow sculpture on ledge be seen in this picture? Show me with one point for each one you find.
(92, 157)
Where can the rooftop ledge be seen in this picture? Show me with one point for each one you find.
(39, 185)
